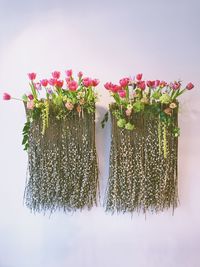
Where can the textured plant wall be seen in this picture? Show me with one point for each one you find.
(143, 166)
(62, 164)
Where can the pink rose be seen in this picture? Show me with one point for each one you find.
(124, 82)
(72, 85)
(95, 82)
(80, 74)
(129, 112)
(32, 76)
(59, 83)
(52, 81)
(56, 74)
(69, 106)
(30, 104)
(87, 82)
(68, 73)
(139, 76)
(30, 96)
(6, 96)
(44, 82)
(141, 85)
(190, 86)
(122, 93)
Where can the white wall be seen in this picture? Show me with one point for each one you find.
(107, 40)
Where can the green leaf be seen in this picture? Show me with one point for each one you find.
(105, 119)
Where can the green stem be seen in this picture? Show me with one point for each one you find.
(127, 93)
(17, 99)
(33, 90)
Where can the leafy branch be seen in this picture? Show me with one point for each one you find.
(26, 132)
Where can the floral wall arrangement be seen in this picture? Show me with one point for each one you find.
(59, 135)
(143, 157)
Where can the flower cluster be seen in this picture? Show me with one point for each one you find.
(60, 95)
(137, 95)
(70, 93)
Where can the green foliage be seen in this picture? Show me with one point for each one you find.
(45, 116)
(118, 114)
(129, 126)
(176, 131)
(165, 99)
(121, 123)
(156, 95)
(138, 106)
(25, 133)
(105, 119)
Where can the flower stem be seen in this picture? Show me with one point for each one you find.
(17, 99)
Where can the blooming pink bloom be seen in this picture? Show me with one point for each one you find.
(32, 76)
(56, 74)
(87, 82)
(68, 73)
(44, 82)
(115, 88)
(72, 85)
(108, 85)
(59, 83)
(30, 96)
(122, 93)
(190, 86)
(68, 80)
(139, 76)
(141, 85)
(38, 86)
(175, 85)
(30, 104)
(150, 83)
(95, 82)
(52, 81)
(157, 83)
(80, 74)
(124, 82)
(128, 112)
(6, 96)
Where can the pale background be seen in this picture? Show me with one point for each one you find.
(107, 40)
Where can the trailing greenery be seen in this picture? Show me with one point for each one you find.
(26, 132)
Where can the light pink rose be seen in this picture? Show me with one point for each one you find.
(30, 104)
